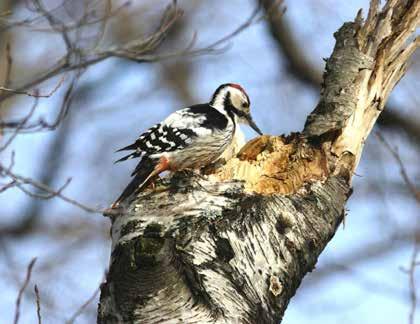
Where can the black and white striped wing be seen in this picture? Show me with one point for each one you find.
(158, 139)
(179, 130)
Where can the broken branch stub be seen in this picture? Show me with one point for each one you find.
(369, 59)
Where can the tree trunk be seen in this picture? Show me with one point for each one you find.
(234, 245)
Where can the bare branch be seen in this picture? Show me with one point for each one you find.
(20, 126)
(22, 289)
(406, 178)
(373, 250)
(300, 67)
(20, 181)
(416, 194)
(7, 186)
(9, 64)
(57, 69)
(47, 195)
(30, 23)
(65, 105)
(7, 24)
(38, 304)
(138, 50)
(55, 23)
(82, 308)
(42, 124)
(252, 19)
(35, 93)
(413, 287)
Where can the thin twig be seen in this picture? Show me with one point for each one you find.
(35, 93)
(65, 105)
(9, 64)
(55, 24)
(70, 27)
(412, 283)
(46, 196)
(406, 178)
(138, 51)
(22, 289)
(38, 304)
(57, 69)
(252, 19)
(20, 180)
(416, 194)
(82, 308)
(20, 126)
(27, 22)
(7, 186)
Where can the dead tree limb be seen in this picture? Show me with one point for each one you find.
(302, 69)
(234, 247)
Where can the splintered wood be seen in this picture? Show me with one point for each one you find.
(275, 164)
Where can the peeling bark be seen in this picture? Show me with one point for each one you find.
(233, 246)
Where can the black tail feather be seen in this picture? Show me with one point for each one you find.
(132, 147)
(138, 183)
(128, 157)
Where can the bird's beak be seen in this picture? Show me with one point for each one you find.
(253, 125)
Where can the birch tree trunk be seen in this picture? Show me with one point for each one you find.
(233, 246)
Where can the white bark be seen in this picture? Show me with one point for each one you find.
(233, 247)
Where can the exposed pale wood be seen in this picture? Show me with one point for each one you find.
(275, 165)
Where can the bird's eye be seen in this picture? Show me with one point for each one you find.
(245, 105)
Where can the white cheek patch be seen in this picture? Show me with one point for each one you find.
(238, 98)
(236, 102)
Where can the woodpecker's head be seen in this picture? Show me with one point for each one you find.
(232, 98)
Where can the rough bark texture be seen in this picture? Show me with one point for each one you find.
(233, 246)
